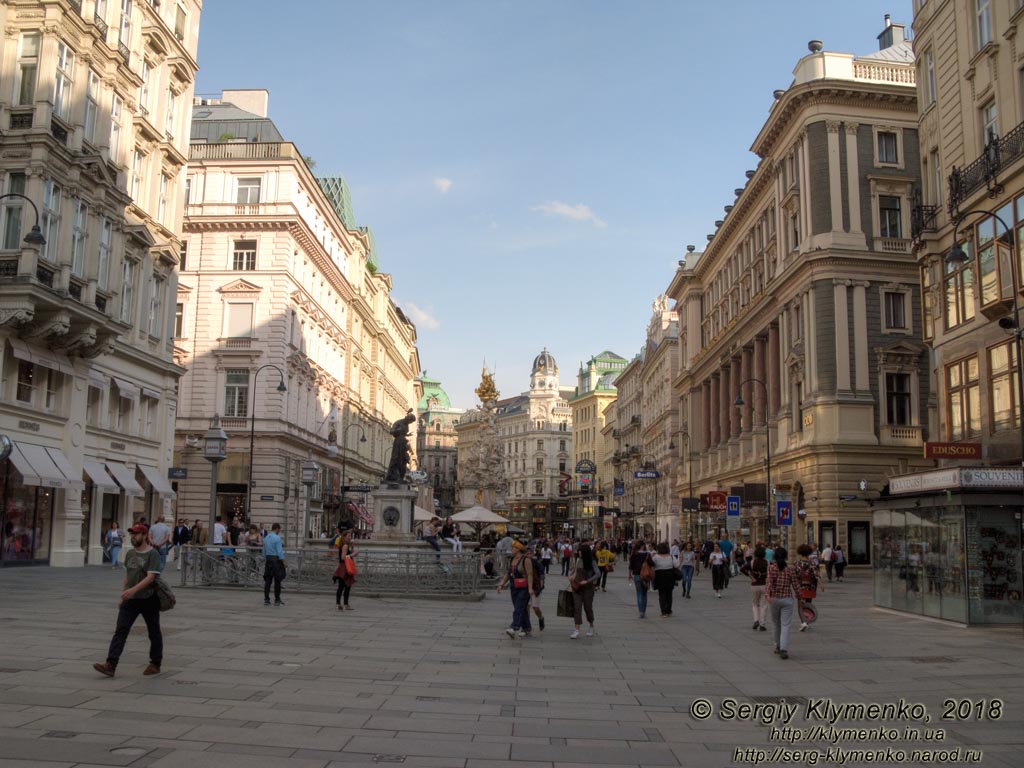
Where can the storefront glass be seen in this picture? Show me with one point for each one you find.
(26, 516)
(994, 567)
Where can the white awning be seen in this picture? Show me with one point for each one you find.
(153, 393)
(128, 390)
(75, 481)
(96, 472)
(36, 466)
(158, 481)
(125, 478)
(98, 379)
(44, 357)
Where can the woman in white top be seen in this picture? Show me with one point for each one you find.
(545, 557)
(687, 559)
(664, 577)
(718, 563)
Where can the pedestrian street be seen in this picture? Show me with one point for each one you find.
(439, 683)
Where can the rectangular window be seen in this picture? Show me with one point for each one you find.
(937, 180)
(561, 445)
(149, 406)
(895, 310)
(897, 394)
(540, 445)
(92, 105)
(92, 406)
(52, 389)
(794, 232)
(12, 211)
(180, 23)
(1002, 377)
(540, 465)
(244, 257)
(929, 77)
(127, 290)
(115, 130)
(188, 191)
(183, 256)
(236, 393)
(103, 259)
(144, 89)
(125, 28)
(137, 177)
(63, 81)
(239, 321)
(963, 408)
(51, 220)
(161, 203)
(538, 487)
(927, 303)
(179, 320)
(889, 217)
(958, 293)
(983, 17)
(26, 381)
(156, 305)
(887, 147)
(989, 123)
(78, 237)
(123, 415)
(28, 70)
(169, 118)
(249, 191)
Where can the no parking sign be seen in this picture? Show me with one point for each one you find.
(783, 512)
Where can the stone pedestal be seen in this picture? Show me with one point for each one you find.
(392, 513)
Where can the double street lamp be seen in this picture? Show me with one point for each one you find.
(689, 471)
(769, 495)
(252, 430)
(958, 257)
(649, 463)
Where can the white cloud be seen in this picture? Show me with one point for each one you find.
(423, 318)
(442, 184)
(578, 212)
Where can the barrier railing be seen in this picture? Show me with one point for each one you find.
(400, 572)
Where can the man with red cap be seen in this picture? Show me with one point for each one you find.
(138, 598)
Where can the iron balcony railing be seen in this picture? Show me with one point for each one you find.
(923, 219)
(999, 152)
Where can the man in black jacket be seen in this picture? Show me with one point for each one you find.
(182, 535)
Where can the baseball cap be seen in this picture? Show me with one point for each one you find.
(139, 529)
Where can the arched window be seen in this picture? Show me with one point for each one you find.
(437, 426)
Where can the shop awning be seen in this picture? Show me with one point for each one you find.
(125, 478)
(158, 481)
(104, 482)
(36, 466)
(44, 357)
(128, 390)
(75, 481)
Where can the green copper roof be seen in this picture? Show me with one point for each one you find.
(371, 256)
(431, 389)
(341, 199)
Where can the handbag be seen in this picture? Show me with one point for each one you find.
(647, 572)
(566, 604)
(164, 595)
(610, 567)
(520, 583)
(350, 566)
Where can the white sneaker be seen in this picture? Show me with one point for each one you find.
(520, 635)
(803, 626)
(590, 632)
(575, 635)
(510, 632)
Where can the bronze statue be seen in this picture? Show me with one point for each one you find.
(399, 465)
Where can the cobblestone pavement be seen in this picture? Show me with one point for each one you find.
(425, 683)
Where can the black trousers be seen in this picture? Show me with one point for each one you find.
(718, 577)
(149, 609)
(665, 582)
(344, 590)
(272, 574)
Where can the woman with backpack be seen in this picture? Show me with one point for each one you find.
(583, 583)
(637, 561)
(756, 569)
(808, 584)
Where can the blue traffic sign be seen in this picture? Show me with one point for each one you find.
(732, 506)
(783, 512)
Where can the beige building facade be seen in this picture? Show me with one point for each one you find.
(94, 101)
(279, 286)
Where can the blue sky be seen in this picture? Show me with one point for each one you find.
(532, 169)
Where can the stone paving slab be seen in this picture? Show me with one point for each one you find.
(439, 685)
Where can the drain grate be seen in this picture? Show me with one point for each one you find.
(389, 758)
(428, 698)
(933, 660)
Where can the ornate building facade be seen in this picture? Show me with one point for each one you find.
(437, 443)
(275, 282)
(800, 351)
(94, 112)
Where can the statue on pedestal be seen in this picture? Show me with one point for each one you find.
(399, 465)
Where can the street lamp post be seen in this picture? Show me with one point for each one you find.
(252, 430)
(309, 472)
(768, 451)
(649, 462)
(689, 472)
(35, 235)
(215, 450)
(344, 461)
(957, 256)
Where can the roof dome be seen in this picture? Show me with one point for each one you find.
(544, 363)
(433, 395)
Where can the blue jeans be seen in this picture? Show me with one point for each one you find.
(521, 610)
(641, 595)
(115, 555)
(782, 618)
(432, 541)
(687, 578)
(162, 551)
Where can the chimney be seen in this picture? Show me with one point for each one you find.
(893, 34)
(256, 101)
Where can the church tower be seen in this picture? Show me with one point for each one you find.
(544, 390)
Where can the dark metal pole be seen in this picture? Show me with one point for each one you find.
(252, 432)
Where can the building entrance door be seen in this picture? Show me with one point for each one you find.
(859, 538)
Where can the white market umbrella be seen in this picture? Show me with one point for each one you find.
(479, 518)
(420, 515)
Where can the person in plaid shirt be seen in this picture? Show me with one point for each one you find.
(782, 593)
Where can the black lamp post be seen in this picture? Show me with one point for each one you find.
(344, 461)
(958, 257)
(768, 451)
(252, 430)
(215, 450)
(689, 472)
(648, 462)
(35, 235)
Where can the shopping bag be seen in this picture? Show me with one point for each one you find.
(566, 603)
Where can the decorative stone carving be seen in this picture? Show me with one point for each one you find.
(16, 317)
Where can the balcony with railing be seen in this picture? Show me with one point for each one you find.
(901, 435)
(924, 218)
(998, 154)
(255, 150)
(101, 25)
(125, 52)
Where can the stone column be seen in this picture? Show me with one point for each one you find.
(705, 409)
(835, 181)
(715, 410)
(860, 336)
(774, 368)
(749, 388)
(853, 177)
(805, 190)
(734, 412)
(842, 319)
(810, 333)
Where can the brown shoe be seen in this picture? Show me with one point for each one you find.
(104, 668)
(152, 669)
